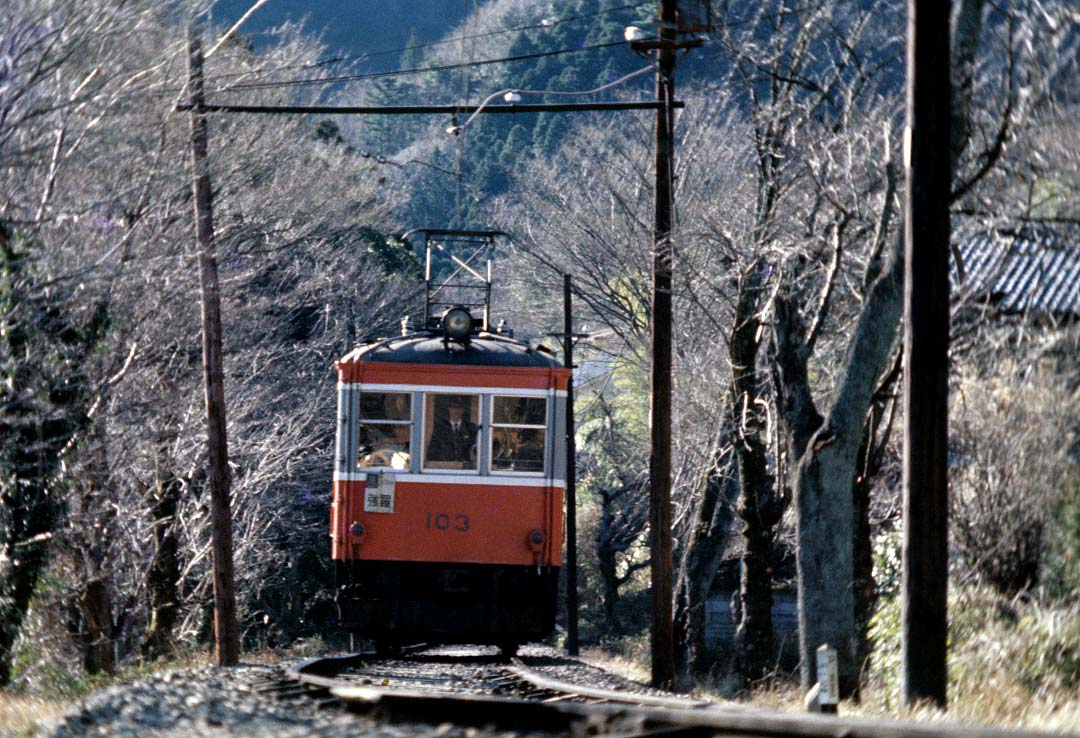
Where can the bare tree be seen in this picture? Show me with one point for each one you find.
(788, 263)
(828, 442)
(96, 175)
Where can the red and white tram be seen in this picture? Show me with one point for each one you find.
(449, 475)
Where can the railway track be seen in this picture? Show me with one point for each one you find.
(446, 686)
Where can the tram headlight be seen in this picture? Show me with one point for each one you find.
(457, 322)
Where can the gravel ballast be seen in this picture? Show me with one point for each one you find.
(215, 702)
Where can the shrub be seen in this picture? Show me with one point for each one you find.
(1061, 561)
(1049, 656)
(1009, 446)
(883, 631)
(1011, 660)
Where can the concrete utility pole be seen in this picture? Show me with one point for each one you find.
(926, 347)
(663, 640)
(226, 633)
(572, 646)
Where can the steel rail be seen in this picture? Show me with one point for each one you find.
(623, 713)
(716, 720)
(542, 681)
(321, 670)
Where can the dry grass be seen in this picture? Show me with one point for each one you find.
(23, 715)
(988, 684)
(44, 698)
(998, 700)
(987, 688)
(1012, 663)
(625, 667)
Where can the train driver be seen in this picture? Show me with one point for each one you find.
(453, 438)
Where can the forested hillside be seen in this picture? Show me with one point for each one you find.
(345, 27)
(788, 272)
(480, 163)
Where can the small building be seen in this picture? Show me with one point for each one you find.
(1032, 273)
(721, 612)
(1019, 288)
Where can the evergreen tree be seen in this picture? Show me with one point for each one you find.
(43, 399)
(388, 134)
(489, 163)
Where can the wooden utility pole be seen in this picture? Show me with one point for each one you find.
(226, 633)
(572, 646)
(926, 347)
(663, 640)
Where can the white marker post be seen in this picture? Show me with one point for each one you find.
(828, 680)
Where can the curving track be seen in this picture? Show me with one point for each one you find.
(470, 688)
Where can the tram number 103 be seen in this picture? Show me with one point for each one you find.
(446, 521)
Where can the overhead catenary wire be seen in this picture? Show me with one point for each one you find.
(542, 24)
(429, 109)
(415, 70)
(156, 88)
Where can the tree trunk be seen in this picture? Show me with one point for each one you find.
(759, 509)
(824, 480)
(754, 641)
(863, 554)
(623, 515)
(607, 564)
(698, 566)
(92, 547)
(95, 604)
(29, 514)
(825, 556)
(760, 506)
(164, 575)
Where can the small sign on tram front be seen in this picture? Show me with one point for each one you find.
(379, 493)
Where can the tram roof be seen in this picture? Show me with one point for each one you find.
(482, 350)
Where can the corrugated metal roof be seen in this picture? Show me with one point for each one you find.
(1028, 273)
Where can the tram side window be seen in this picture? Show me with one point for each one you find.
(385, 430)
(518, 431)
(451, 430)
